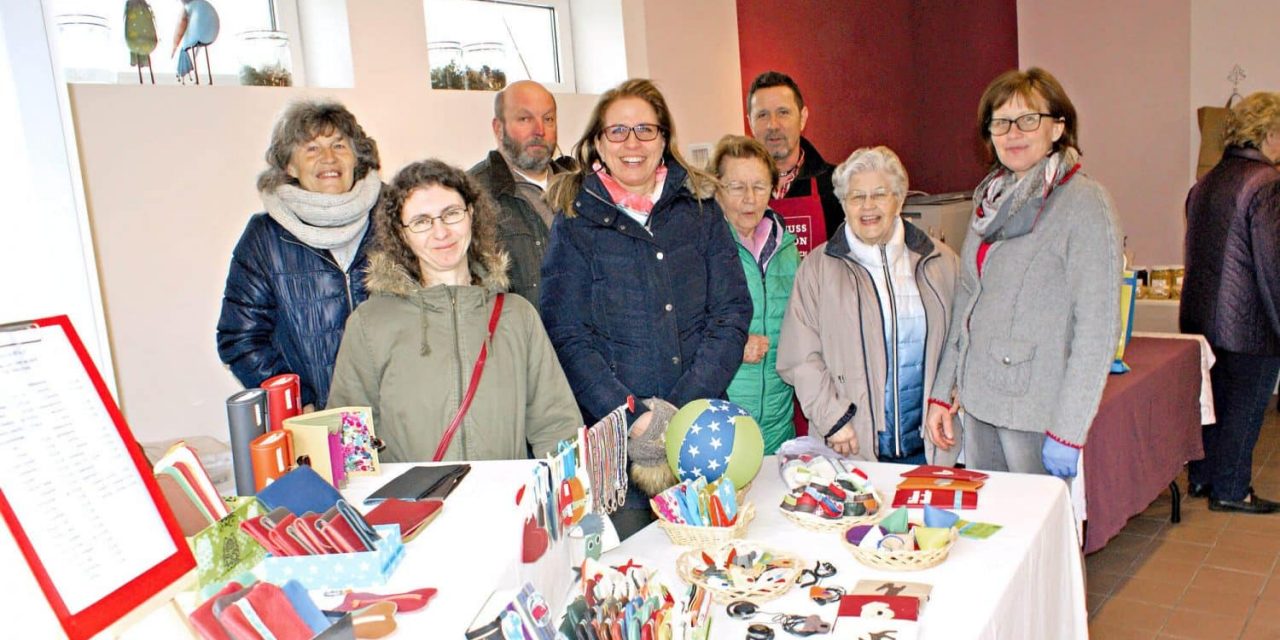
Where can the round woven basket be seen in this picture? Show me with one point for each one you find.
(818, 523)
(902, 560)
(790, 565)
(690, 536)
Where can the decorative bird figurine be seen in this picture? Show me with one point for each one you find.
(140, 35)
(198, 28)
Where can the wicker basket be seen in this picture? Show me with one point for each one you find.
(901, 560)
(690, 536)
(818, 523)
(691, 560)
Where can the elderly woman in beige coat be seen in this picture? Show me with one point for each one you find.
(867, 320)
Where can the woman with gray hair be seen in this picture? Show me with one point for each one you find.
(863, 331)
(296, 273)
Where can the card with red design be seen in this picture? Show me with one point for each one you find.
(950, 473)
(880, 606)
(941, 498)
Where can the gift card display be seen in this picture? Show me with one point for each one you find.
(892, 588)
(940, 483)
(880, 607)
(952, 473)
(943, 498)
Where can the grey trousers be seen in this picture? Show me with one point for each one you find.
(992, 448)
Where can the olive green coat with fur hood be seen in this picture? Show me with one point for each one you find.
(408, 353)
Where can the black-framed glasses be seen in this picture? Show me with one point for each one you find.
(644, 132)
(1026, 122)
(452, 215)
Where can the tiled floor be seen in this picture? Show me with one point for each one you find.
(1214, 575)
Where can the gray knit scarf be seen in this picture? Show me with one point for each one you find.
(322, 220)
(1007, 207)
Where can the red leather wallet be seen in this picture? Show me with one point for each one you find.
(203, 619)
(412, 517)
(335, 528)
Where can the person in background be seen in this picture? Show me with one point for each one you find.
(436, 282)
(803, 195)
(769, 260)
(642, 292)
(1231, 296)
(297, 271)
(516, 175)
(863, 333)
(1037, 316)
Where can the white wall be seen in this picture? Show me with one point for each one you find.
(1126, 67)
(169, 175)
(1224, 34)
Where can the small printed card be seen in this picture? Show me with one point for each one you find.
(942, 498)
(880, 607)
(935, 471)
(892, 588)
(977, 530)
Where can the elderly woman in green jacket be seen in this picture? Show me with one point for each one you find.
(436, 281)
(747, 175)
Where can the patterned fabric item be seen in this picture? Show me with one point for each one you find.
(785, 178)
(904, 334)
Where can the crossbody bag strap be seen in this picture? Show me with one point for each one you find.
(471, 387)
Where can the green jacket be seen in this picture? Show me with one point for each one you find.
(408, 352)
(757, 387)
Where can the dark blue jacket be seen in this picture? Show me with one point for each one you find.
(629, 313)
(285, 307)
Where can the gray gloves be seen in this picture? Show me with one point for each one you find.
(648, 451)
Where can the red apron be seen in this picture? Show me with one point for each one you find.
(805, 220)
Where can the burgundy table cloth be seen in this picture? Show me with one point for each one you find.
(1147, 428)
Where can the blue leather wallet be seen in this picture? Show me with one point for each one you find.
(300, 491)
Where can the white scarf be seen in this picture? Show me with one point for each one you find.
(323, 220)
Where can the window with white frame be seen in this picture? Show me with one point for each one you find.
(92, 41)
(487, 44)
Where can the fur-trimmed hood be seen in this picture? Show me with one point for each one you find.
(387, 276)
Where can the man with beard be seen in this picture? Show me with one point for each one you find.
(804, 195)
(516, 176)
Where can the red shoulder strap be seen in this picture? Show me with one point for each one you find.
(471, 387)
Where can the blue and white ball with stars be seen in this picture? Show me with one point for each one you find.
(712, 438)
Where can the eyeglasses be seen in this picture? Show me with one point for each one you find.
(860, 199)
(644, 132)
(739, 190)
(1026, 123)
(452, 215)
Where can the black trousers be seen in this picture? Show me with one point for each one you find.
(1242, 385)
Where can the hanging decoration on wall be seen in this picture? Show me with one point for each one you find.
(140, 35)
(197, 29)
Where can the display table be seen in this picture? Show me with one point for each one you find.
(1146, 429)
(1026, 581)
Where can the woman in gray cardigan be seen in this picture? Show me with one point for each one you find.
(1037, 305)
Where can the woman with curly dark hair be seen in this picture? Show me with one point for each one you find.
(296, 273)
(454, 368)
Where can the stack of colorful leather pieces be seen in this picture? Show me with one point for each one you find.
(699, 504)
(188, 490)
(263, 610)
(340, 529)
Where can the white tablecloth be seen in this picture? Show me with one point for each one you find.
(1024, 582)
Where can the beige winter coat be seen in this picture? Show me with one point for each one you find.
(832, 344)
(408, 352)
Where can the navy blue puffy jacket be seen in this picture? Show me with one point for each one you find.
(285, 307)
(629, 313)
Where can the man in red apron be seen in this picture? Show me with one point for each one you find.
(804, 196)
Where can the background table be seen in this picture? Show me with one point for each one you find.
(1024, 582)
(1147, 428)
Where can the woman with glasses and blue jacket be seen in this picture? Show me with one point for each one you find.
(867, 319)
(1037, 308)
(643, 295)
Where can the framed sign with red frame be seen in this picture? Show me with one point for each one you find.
(76, 492)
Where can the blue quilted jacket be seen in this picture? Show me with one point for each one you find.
(285, 307)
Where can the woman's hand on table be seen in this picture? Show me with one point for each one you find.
(939, 425)
(844, 442)
(757, 347)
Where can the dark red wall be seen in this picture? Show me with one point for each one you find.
(903, 73)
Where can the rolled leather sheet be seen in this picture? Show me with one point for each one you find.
(247, 419)
(284, 398)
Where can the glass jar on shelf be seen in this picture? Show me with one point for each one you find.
(445, 57)
(84, 47)
(485, 63)
(265, 60)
